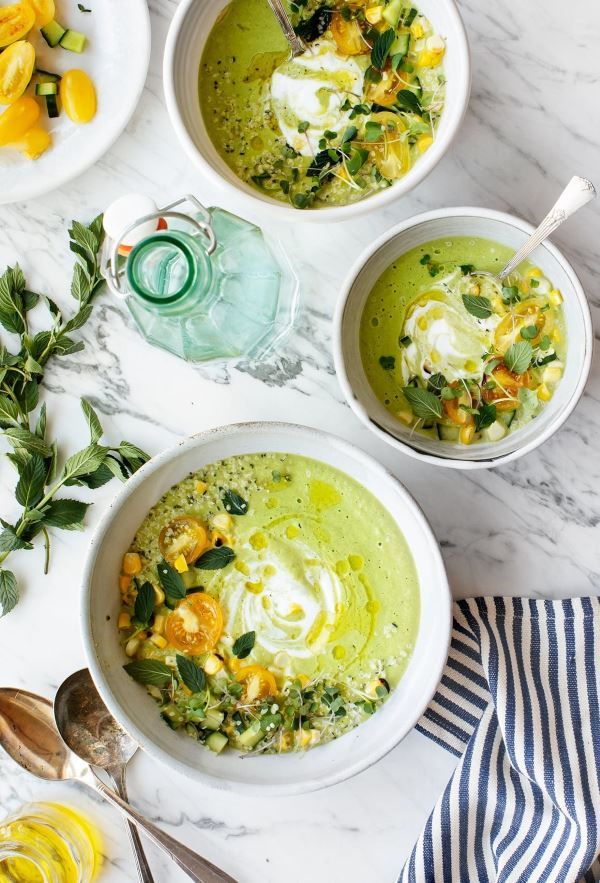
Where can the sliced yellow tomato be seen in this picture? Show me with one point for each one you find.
(196, 624)
(348, 36)
(16, 68)
(34, 142)
(18, 119)
(16, 20)
(453, 410)
(391, 154)
(505, 395)
(78, 96)
(258, 682)
(183, 536)
(384, 92)
(44, 11)
(508, 330)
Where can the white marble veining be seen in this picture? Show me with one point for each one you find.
(529, 528)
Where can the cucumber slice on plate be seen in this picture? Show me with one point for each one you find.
(46, 76)
(217, 742)
(53, 33)
(74, 41)
(448, 433)
(52, 106)
(46, 89)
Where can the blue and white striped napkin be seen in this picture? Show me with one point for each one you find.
(518, 702)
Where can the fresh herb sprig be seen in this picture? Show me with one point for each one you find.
(34, 455)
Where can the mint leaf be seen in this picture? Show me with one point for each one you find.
(485, 416)
(32, 478)
(381, 48)
(66, 514)
(517, 358)
(93, 421)
(244, 644)
(9, 593)
(192, 676)
(424, 404)
(215, 559)
(144, 603)
(171, 581)
(478, 306)
(233, 503)
(149, 671)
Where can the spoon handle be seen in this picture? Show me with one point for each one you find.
(577, 193)
(286, 26)
(196, 867)
(141, 862)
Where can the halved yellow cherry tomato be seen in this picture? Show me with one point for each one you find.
(18, 119)
(258, 682)
(196, 624)
(348, 36)
(34, 142)
(78, 96)
(384, 92)
(391, 154)
(16, 67)
(183, 536)
(453, 410)
(44, 11)
(508, 330)
(16, 20)
(505, 394)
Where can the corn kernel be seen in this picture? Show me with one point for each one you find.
(159, 641)
(405, 417)
(159, 596)
(374, 14)
(234, 664)
(555, 297)
(303, 738)
(556, 336)
(222, 521)
(416, 30)
(132, 563)
(132, 646)
(543, 393)
(466, 434)
(159, 624)
(286, 741)
(304, 680)
(124, 621)
(201, 487)
(424, 142)
(180, 564)
(124, 582)
(534, 273)
(212, 664)
(551, 374)
(498, 306)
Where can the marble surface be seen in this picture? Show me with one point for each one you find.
(529, 528)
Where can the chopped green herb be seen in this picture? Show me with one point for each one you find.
(388, 363)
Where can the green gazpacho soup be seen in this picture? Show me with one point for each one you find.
(345, 119)
(269, 603)
(456, 355)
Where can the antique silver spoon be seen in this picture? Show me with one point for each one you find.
(28, 733)
(296, 44)
(89, 729)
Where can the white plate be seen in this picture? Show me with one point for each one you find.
(139, 714)
(116, 58)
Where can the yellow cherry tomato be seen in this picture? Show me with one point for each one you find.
(34, 142)
(78, 96)
(16, 68)
(348, 36)
(44, 11)
(17, 120)
(508, 330)
(258, 682)
(16, 20)
(195, 625)
(391, 154)
(185, 536)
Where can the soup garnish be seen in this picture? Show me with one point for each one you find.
(269, 603)
(345, 119)
(453, 353)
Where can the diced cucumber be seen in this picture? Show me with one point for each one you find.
(46, 76)
(46, 89)
(74, 41)
(213, 720)
(52, 106)
(495, 432)
(408, 19)
(448, 433)
(251, 736)
(506, 417)
(216, 742)
(400, 45)
(53, 33)
(392, 12)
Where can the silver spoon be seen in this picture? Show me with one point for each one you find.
(87, 726)
(28, 733)
(296, 44)
(577, 193)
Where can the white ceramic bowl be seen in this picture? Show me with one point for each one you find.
(187, 35)
(507, 230)
(116, 58)
(138, 713)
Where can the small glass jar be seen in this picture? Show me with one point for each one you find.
(48, 843)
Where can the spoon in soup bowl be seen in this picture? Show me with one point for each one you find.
(297, 46)
(29, 734)
(577, 193)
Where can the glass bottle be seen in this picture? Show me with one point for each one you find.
(209, 286)
(48, 843)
